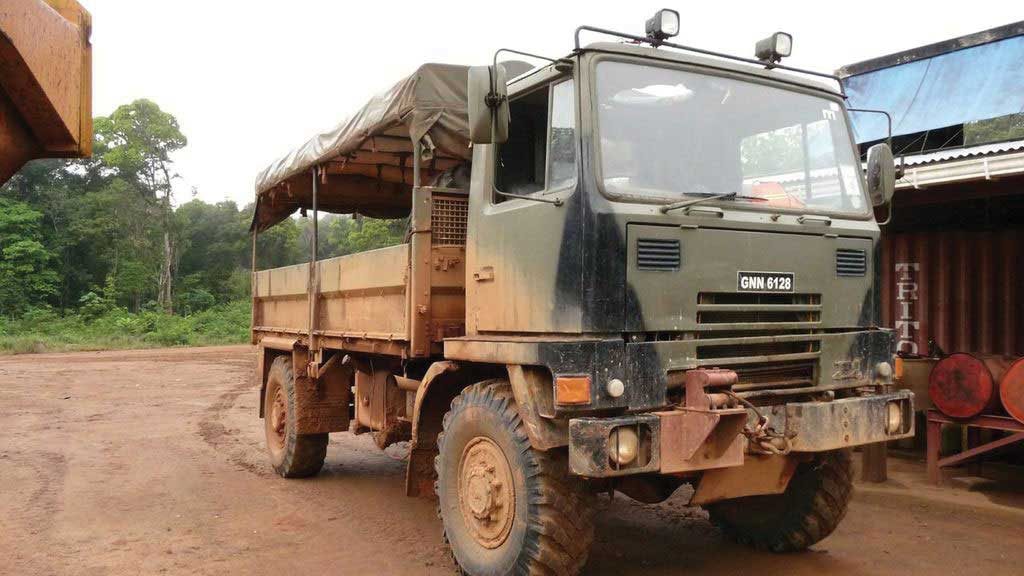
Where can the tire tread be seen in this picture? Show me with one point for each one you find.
(304, 454)
(815, 505)
(560, 527)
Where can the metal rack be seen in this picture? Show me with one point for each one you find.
(975, 451)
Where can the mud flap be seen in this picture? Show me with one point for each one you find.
(321, 405)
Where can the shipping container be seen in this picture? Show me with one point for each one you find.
(960, 288)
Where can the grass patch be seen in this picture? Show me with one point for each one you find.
(46, 330)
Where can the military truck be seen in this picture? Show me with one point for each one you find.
(639, 266)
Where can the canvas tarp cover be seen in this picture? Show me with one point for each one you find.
(366, 161)
(976, 83)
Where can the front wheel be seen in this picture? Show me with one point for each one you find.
(808, 511)
(507, 508)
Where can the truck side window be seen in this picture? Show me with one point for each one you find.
(562, 162)
(540, 153)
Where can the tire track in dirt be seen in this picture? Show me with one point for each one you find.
(30, 518)
(228, 441)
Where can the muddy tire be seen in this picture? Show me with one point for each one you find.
(812, 506)
(292, 455)
(507, 508)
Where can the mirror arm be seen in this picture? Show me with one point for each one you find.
(888, 120)
(555, 201)
(521, 53)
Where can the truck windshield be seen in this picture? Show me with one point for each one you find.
(669, 134)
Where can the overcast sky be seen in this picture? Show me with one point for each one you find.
(249, 80)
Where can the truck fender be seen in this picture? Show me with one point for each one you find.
(534, 394)
(440, 385)
(269, 348)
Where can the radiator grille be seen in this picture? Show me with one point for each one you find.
(658, 254)
(851, 262)
(755, 350)
(448, 221)
(767, 367)
(774, 376)
(750, 310)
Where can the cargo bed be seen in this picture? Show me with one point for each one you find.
(382, 301)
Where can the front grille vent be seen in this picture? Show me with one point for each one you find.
(743, 310)
(658, 254)
(850, 262)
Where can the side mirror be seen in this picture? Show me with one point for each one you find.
(488, 104)
(881, 174)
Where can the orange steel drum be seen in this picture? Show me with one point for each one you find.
(962, 385)
(1011, 390)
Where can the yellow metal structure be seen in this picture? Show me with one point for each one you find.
(45, 82)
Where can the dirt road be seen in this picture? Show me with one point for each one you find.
(151, 462)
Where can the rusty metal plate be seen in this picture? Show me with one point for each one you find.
(700, 440)
(761, 474)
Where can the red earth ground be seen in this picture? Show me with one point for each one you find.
(152, 462)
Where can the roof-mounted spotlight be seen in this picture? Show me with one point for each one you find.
(774, 48)
(663, 25)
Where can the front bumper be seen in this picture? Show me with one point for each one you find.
(810, 426)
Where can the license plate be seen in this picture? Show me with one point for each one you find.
(764, 281)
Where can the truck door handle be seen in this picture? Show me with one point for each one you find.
(823, 220)
(705, 211)
(484, 274)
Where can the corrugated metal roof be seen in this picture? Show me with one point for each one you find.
(960, 153)
(975, 83)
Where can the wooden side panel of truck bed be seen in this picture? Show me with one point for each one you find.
(361, 295)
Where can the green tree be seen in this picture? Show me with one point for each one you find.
(351, 235)
(212, 245)
(26, 275)
(136, 142)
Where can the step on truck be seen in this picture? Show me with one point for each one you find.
(635, 267)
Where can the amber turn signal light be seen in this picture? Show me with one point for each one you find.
(572, 390)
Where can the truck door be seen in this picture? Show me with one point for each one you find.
(517, 246)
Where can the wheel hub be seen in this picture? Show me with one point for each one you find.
(278, 418)
(486, 492)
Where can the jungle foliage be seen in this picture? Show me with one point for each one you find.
(98, 253)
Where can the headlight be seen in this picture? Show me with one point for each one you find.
(623, 445)
(894, 418)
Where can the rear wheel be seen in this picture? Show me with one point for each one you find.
(808, 511)
(507, 508)
(292, 455)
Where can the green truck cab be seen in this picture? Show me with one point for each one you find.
(660, 269)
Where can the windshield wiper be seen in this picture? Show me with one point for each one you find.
(690, 202)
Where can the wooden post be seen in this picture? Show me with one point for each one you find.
(973, 441)
(934, 445)
(873, 462)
